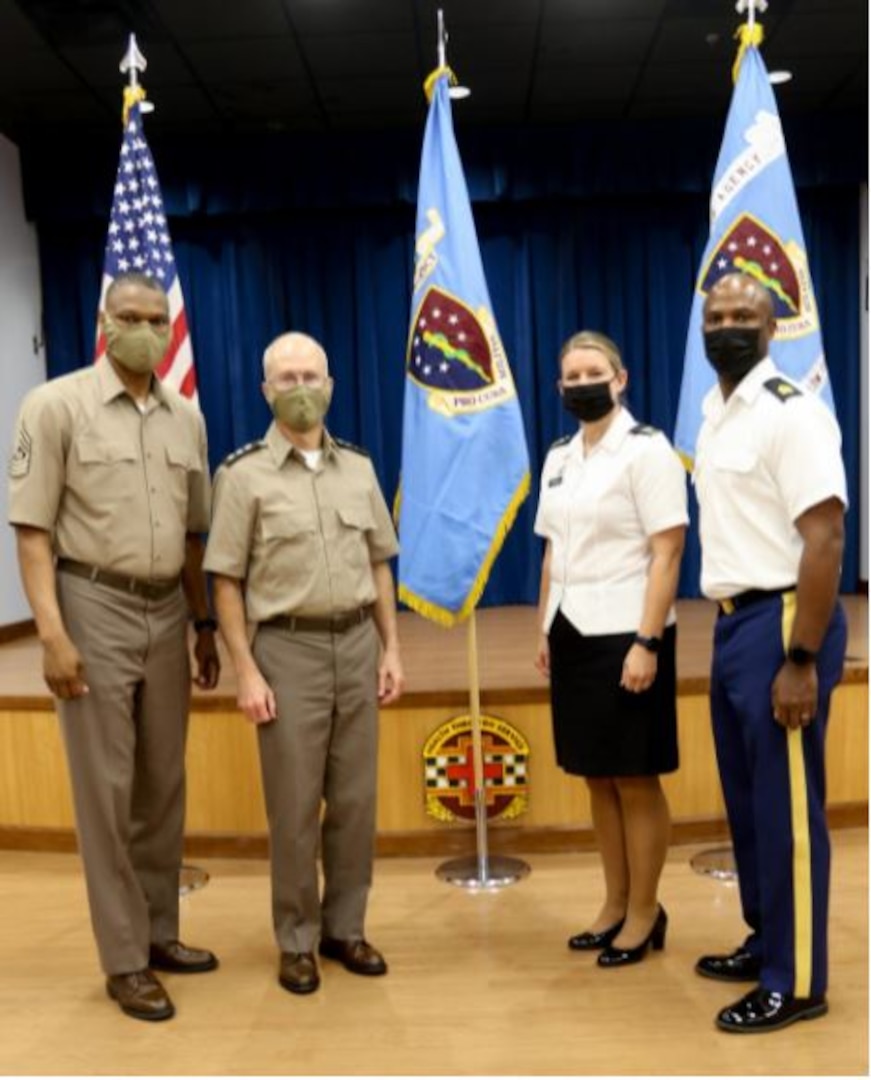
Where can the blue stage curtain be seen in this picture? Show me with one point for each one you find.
(622, 261)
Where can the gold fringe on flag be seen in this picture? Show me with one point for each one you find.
(450, 618)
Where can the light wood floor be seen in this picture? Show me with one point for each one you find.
(479, 984)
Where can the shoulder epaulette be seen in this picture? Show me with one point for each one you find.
(561, 442)
(781, 388)
(643, 429)
(243, 451)
(343, 445)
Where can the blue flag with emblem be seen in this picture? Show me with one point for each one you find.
(755, 228)
(465, 466)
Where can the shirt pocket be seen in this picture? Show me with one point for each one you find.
(97, 452)
(354, 521)
(181, 464)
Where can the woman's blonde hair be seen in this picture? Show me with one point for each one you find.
(590, 339)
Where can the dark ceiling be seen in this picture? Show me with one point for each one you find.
(333, 65)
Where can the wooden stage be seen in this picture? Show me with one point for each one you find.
(225, 808)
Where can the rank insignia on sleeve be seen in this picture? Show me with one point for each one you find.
(19, 463)
(643, 429)
(343, 445)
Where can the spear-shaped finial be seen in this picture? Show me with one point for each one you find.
(132, 63)
(751, 7)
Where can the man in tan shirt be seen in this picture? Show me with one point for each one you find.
(300, 525)
(109, 493)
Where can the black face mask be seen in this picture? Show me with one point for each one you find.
(588, 402)
(733, 350)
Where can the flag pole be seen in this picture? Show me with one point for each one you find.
(482, 872)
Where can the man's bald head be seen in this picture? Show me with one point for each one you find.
(294, 348)
(742, 287)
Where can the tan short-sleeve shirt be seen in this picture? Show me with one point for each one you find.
(118, 487)
(303, 540)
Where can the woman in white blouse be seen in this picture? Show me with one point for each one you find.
(613, 512)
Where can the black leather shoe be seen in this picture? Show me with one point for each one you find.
(140, 995)
(298, 973)
(357, 956)
(616, 957)
(587, 939)
(173, 956)
(738, 966)
(767, 1010)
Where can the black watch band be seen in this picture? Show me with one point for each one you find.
(650, 643)
(205, 624)
(798, 654)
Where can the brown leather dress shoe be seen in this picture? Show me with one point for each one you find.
(357, 956)
(298, 972)
(173, 956)
(140, 995)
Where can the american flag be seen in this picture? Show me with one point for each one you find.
(139, 241)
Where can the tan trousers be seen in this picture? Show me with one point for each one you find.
(125, 745)
(323, 745)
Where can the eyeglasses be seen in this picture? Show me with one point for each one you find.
(292, 380)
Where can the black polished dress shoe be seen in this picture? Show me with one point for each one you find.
(738, 966)
(140, 995)
(357, 956)
(298, 973)
(173, 956)
(767, 1010)
(617, 957)
(588, 939)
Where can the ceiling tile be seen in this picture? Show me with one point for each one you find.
(574, 10)
(822, 34)
(225, 19)
(246, 58)
(686, 81)
(621, 42)
(578, 84)
(390, 53)
(336, 17)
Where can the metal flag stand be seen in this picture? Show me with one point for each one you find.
(481, 872)
(191, 878)
(719, 862)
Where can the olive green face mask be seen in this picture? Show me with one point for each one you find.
(138, 348)
(302, 407)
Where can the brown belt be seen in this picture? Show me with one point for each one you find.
(148, 590)
(329, 624)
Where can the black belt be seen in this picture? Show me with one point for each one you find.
(329, 624)
(148, 590)
(752, 596)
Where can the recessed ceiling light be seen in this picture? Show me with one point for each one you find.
(459, 92)
(146, 106)
(776, 77)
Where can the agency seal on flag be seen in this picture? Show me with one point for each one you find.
(749, 247)
(456, 354)
(449, 776)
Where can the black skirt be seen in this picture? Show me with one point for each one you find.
(600, 729)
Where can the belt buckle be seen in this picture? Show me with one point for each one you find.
(728, 607)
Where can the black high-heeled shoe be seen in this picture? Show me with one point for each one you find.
(613, 957)
(588, 939)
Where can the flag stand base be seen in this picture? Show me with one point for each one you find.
(480, 875)
(718, 863)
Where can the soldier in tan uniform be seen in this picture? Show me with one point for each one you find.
(299, 524)
(108, 493)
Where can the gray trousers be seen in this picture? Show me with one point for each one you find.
(125, 743)
(322, 746)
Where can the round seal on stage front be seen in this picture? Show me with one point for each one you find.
(449, 770)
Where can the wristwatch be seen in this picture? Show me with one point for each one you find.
(650, 643)
(205, 624)
(798, 654)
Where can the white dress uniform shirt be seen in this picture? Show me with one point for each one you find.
(598, 510)
(763, 457)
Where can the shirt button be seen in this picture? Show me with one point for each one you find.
(154, 491)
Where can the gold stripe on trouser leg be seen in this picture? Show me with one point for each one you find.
(801, 842)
